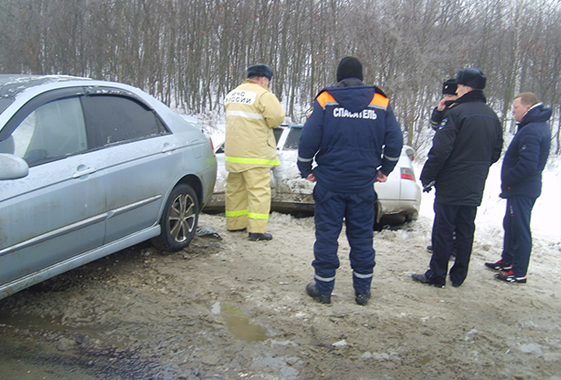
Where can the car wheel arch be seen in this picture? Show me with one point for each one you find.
(178, 230)
(196, 183)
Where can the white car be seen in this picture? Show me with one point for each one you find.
(399, 196)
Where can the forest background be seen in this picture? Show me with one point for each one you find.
(190, 53)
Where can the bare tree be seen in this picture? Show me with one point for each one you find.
(190, 53)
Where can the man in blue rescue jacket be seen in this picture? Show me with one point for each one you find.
(521, 184)
(345, 133)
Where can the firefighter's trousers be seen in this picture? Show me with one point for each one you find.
(248, 199)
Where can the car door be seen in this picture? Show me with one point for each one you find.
(140, 163)
(57, 211)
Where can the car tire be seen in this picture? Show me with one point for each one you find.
(411, 217)
(179, 219)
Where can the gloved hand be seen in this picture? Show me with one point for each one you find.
(428, 187)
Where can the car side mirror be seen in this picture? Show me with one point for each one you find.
(12, 167)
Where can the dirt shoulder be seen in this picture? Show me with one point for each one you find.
(228, 308)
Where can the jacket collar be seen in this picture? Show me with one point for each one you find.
(472, 96)
(349, 82)
(536, 114)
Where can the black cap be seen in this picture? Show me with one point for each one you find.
(260, 71)
(473, 78)
(349, 67)
(449, 87)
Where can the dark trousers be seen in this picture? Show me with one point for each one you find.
(517, 244)
(447, 219)
(357, 209)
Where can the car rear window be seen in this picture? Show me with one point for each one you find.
(292, 139)
(278, 133)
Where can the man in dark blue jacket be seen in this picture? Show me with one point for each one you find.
(345, 133)
(521, 184)
(468, 141)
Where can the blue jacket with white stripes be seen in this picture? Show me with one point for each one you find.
(352, 133)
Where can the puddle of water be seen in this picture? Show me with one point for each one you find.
(34, 322)
(55, 324)
(239, 324)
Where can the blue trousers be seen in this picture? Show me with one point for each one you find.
(447, 219)
(357, 209)
(517, 244)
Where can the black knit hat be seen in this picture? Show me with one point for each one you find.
(473, 78)
(349, 67)
(260, 71)
(449, 87)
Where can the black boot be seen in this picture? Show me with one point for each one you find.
(254, 236)
(362, 298)
(422, 278)
(313, 292)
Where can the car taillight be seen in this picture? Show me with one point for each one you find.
(407, 173)
(212, 146)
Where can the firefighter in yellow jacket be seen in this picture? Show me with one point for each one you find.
(252, 111)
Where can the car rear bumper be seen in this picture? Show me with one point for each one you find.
(286, 203)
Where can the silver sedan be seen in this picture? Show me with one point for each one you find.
(88, 168)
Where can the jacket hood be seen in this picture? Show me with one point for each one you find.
(536, 114)
(353, 98)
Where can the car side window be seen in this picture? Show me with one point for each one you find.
(53, 130)
(116, 119)
(292, 139)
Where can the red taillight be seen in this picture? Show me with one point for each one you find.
(407, 173)
(212, 146)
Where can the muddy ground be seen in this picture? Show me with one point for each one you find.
(228, 308)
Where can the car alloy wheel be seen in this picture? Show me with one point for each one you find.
(179, 220)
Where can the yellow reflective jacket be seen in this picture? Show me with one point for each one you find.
(252, 111)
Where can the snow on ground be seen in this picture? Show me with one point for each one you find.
(490, 214)
(545, 225)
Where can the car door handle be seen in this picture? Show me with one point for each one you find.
(83, 170)
(168, 148)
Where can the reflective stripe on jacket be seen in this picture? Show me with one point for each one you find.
(378, 101)
(252, 111)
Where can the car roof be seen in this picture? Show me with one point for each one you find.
(13, 84)
(16, 90)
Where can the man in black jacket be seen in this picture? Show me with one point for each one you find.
(521, 184)
(468, 141)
